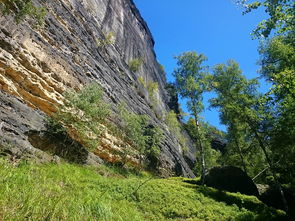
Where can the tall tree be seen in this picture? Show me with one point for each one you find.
(191, 82)
(236, 98)
(278, 67)
(240, 104)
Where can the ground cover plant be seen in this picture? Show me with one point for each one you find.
(64, 191)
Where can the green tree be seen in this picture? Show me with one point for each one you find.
(281, 16)
(236, 100)
(278, 67)
(191, 82)
(240, 104)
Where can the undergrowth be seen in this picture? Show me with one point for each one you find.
(71, 192)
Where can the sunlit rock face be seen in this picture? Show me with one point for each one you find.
(38, 64)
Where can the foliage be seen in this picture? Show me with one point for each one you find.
(278, 64)
(82, 114)
(281, 16)
(144, 137)
(23, 8)
(134, 127)
(153, 89)
(212, 157)
(108, 39)
(155, 136)
(191, 79)
(176, 129)
(191, 82)
(173, 98)
(142, 81)
(240, 110)
(135, 64)
(71, 192)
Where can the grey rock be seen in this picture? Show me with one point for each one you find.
(37, 65)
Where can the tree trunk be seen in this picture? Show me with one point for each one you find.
(203, 164)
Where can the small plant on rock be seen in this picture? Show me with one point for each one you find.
(108, 39)
(135, 64)
(22, 9)
(153, 89)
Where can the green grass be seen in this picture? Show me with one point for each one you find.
(72, 192)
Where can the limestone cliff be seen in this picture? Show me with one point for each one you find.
(38, 64)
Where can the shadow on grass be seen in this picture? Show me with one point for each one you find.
(249, 203)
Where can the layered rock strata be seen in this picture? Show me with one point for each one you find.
(38, 64)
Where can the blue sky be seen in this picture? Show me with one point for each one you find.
(215, 28)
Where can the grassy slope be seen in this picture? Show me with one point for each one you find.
(71, 192)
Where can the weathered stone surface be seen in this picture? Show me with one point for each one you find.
(38, 65)
(231, 179)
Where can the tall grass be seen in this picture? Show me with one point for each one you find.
(72, 192)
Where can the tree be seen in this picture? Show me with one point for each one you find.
(278, 67)
(240, 104)
(236, 99)
(281, 16)
(191, 82)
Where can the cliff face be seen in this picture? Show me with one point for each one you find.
(38, 65)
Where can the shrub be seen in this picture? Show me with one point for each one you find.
(175, 128)
(145, 137)
(134, 126)
(23, 8)
(82, 114)
(108, 39)
(155, 136)
(153, 89)
(135, 64)
(142, 81)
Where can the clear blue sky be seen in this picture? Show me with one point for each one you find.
(215, 28)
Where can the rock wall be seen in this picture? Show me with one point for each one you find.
(38, 64)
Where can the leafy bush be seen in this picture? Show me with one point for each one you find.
(142, 81)
(135, 64)
(155, 136)
(23, 8)
(176, 129)
(108, 39)
(145, 137)
(153, 89)
(134, 126)
(82, 114)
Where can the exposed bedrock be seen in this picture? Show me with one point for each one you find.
(38, 65)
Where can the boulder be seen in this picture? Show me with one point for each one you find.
(231, 179)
